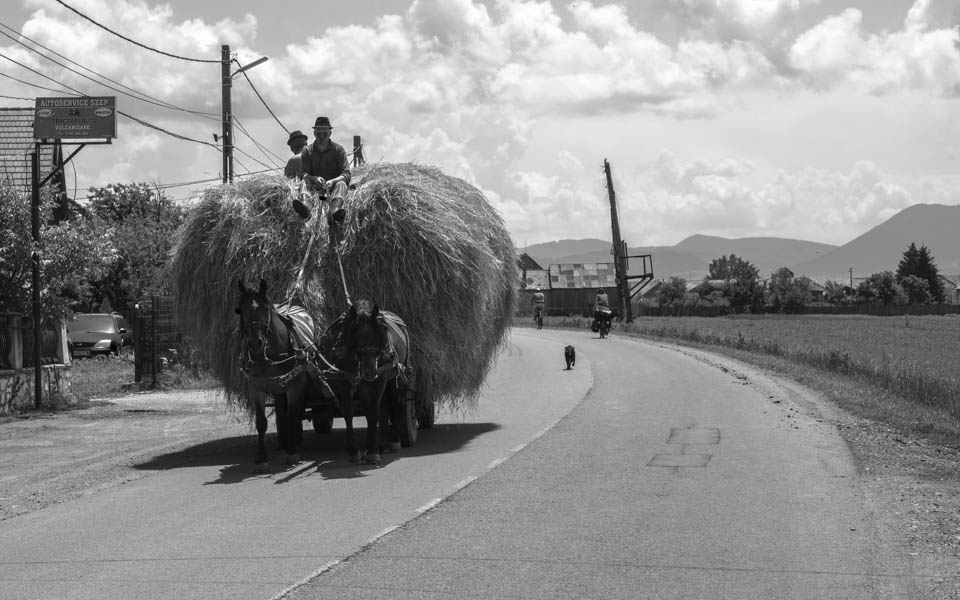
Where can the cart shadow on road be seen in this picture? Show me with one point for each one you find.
(324, 455)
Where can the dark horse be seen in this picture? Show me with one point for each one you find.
(375, 350)
(276, 360)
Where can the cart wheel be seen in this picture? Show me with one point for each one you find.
(426, 415)
(323, 425)
(408, 424)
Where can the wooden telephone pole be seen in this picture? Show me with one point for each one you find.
(619, 251)
(625, 291)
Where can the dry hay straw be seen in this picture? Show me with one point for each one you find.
(430, 248)
(421, 244)
(246, 231)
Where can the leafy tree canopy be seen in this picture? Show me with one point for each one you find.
(732, 267)
(919, 263)
(71, 253)
(141, 222)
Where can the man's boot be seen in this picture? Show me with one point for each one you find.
(337, 212)
(303, 205)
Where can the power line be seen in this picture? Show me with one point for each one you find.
(123, 37)
(255, 91)
(119, 112)
(266, 151)
(143, 97)
(30, 84)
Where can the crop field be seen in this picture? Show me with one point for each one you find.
(913, 357)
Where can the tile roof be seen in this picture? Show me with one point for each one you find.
(16, 144)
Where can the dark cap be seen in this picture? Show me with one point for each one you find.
(322, 122)
(297, 135)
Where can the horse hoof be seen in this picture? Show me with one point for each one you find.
(372, 459)
(291, 459)
(261, 466)
(354, 457)
(392, 448)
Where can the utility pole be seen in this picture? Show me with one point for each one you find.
(226, 140)
(619, 251)
(35, 279)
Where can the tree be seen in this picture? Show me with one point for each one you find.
(916, 289)
(883, 288)
(834, 291)
(732, 267)
(788, 293)
(673, 292)
(742, 289)
(919, 263)
(72, 252)
(141, 223)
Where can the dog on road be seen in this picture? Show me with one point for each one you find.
(569, 355)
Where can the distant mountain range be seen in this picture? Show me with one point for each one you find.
(934, 225)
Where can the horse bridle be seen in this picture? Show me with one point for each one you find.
(264, 328)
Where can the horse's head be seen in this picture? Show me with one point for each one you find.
(256, 313)
(366, 338)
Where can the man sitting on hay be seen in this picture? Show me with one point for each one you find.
(325, 171)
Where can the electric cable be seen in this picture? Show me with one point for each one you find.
(30, 84)
(143, 97)
(266, 151)
(119, 112)
(255, 91)
(136, 43)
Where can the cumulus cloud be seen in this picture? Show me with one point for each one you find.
(462, 84)
(838, 51)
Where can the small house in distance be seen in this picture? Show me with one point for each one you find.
(573, 287)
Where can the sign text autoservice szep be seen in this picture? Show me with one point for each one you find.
(89, 117)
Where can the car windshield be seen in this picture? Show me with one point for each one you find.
(93, 324)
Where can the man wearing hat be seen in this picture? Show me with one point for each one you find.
(325, 169)
(296, 142)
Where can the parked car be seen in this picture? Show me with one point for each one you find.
(98, 333)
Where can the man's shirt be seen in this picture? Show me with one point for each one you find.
(328, 163)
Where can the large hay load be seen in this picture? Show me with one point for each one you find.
(424, 245)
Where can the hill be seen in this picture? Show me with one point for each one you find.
(935, 225)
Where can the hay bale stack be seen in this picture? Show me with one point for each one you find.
(430, 248)
(424, 245)
(244, 231)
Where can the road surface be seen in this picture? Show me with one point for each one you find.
(643, 472)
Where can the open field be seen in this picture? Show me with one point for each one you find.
(908, 367)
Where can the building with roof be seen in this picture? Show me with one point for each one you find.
(16, 146)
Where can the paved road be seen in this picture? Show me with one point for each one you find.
(642, 473)
(672, 479)
(204, 526)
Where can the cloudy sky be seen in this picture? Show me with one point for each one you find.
(805, 119)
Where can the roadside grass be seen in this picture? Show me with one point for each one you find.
(901, 371)
(111, 376)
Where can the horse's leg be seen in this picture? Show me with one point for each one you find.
(261, 462)
(374, 394)
(346, 409)
(391, 412)
(293, 419)
(280, 414)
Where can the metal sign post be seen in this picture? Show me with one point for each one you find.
(56, 120)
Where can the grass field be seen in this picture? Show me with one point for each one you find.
(105, 376)
(901, 370)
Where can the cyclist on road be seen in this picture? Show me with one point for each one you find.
(537, 301)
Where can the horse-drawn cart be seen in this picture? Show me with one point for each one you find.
(414, 415)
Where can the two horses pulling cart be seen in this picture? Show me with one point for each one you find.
(357, 366)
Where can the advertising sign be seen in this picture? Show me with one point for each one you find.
(85, 118)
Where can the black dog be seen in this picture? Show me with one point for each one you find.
(570, 355)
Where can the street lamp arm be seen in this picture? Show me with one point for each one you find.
(259, 61)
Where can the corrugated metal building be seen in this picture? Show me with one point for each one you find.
(573, 287)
